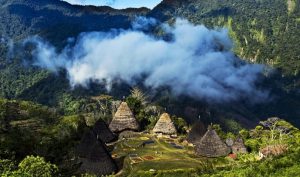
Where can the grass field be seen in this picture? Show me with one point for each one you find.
(160, 155)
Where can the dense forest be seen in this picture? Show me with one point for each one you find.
(263, 31)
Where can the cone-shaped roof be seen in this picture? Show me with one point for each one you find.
(94, 157)
(211, 145)
(123, 120)
(238, 146)
(165, 125)
(102, 132)
(196, 133)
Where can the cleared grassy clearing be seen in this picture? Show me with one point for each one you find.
(161, 156)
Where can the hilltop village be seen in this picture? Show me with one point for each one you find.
(135, 137)
(121, 145)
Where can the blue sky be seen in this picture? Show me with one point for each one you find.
(118, 4)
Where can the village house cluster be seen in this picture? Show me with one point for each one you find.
(96, 159)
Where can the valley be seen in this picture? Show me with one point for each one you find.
(188, 88)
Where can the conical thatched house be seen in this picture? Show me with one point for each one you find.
(94, 157)
(238, 146)
(211, 145)
(165, 125)
(102, 132)
(196, 133)
(123, 120)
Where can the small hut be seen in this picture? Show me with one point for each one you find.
(196, 133)
(102, 132)
(94, 157)
(165, 125)
(211, 145)
(238, 146)
(123, 120)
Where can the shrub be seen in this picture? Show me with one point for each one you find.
(37, 167)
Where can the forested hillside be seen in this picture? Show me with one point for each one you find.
(263, 31)
(21, 18)
(49, 127)
(56, 21)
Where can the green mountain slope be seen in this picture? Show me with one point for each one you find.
(20, 18)
(54, 20)
(52, 121)
(264, 31)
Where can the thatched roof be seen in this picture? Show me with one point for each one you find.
(273, 150)
(102, 132)
(165, 125)
(196, 133)
(238, 146)
(123, 120)
(94, 157)
(211, 145)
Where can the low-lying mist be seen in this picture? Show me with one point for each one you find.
(195, 61)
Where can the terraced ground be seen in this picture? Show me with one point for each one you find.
(146, 154)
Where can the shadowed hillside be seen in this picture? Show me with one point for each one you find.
(21, 18)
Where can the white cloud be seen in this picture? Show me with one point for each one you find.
(198, 62)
